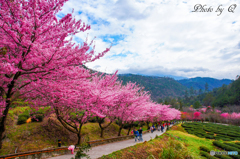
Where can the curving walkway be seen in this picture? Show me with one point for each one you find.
(101, 150)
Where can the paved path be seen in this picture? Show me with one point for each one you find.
(101, 150)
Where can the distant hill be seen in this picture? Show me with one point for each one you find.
(227, 95)
(162, 75)
(199, 82)
(159, 87)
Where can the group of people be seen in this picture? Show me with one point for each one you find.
(138, 134)
(160, 127)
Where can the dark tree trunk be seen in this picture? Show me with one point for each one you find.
(102, 128)
(79, 139)
(147, 124)
(72, 128)
(3, 124)
(129, 129)
(79, 135)
(5, 112)
(100, 121)
(120, 129)
(102, 132)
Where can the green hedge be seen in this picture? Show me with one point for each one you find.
(207, 130)
(223, 156)
(225, 147)
(93, 120)
(23, 117)
(205, 154)
(233, 145)
(37, 118)
(21, 120)
(204, 148)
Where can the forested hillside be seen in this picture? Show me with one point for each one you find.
(200, 82)
(228, 95)
(159, 87)
(219, 97)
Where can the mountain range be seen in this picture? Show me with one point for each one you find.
(199, 82)
(161, 87)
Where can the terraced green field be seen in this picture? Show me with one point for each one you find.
(213, 131)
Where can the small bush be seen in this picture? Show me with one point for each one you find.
(135, 124)
(40, 111)
(25, 114)
(117, 122)
(37, 118)
(204, 148)
(93, 120)
(21, 120)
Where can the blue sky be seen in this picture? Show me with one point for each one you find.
(161, 37)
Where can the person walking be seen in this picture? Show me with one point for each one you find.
(140, 134)
(162, 127)
(136, 134)
(151, 129)
(159, 127)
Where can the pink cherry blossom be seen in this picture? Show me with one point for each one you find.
(37, 49)
(197, 115)
(224, 115)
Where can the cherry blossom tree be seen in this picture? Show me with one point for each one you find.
(129, 101)
(197, 115)
(36, 47)
(74, 104)
(153, 112)
(107, 109)
(233, 118)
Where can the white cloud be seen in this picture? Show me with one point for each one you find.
(165, 36)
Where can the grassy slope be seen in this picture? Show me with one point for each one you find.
(42, 135)
(193, 142)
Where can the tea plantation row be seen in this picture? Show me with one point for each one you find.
(224, 146)
(213, 131)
